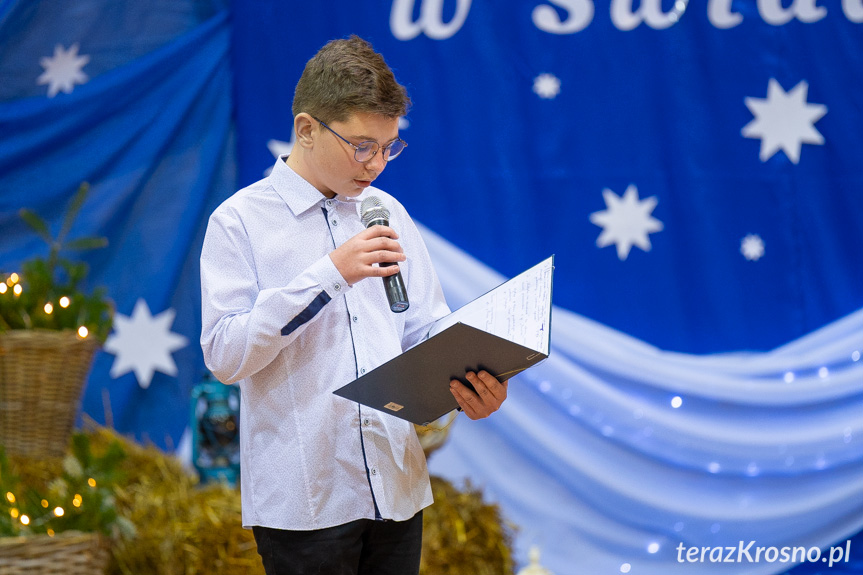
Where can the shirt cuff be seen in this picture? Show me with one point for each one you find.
(329, 278)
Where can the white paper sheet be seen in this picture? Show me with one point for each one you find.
(518, 310)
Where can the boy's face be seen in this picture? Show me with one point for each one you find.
(334, 168)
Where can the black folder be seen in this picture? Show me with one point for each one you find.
(415, 385)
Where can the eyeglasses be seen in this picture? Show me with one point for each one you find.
(365, 151)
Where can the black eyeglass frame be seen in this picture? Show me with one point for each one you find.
(377, 147)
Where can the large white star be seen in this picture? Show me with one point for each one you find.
(63, 71)
(143, 344)
(626, 222)
(784, 121)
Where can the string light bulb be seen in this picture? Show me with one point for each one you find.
(25, 520)
(49, 309)
(13, 277)
(91, 482)
(83, 332)
(64, 302)
(10, 497)
(3, 288)
(77, 500)
(59, 512)
(17, 289)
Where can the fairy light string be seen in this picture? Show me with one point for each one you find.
(50, 498)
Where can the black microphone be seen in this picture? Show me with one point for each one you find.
(373, 213)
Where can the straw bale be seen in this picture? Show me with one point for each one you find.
(183, 528)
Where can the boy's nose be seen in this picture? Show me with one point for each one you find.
(377, 163)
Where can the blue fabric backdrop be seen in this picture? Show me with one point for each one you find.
(695, 169)
(150, 128)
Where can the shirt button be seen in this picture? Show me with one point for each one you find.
(366, 422)
(337, 287)
(329, 203)
(335, 222)
(363, 370)
(355, 318)
(374, 471)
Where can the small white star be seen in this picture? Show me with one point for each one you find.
(784, 121)
(546, 86)
(626, 222)
(752, 247)
(143, 344)
(63, 71)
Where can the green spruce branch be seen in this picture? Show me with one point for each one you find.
(48, 293)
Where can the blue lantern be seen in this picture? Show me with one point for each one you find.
(215, 422)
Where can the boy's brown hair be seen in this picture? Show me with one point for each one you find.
(347, 76)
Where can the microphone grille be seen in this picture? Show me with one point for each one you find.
(372, 209)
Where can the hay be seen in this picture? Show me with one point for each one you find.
(462, 535)
(181, 528)
(178, 527)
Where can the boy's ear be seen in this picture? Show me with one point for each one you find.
(304, 126)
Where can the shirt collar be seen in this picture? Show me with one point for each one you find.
(298, 193)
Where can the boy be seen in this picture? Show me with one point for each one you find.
(289, 311)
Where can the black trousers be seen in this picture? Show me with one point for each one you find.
(363, 547)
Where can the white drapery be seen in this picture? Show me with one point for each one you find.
(614, 456)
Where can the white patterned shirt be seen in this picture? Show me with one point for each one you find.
(279, 318)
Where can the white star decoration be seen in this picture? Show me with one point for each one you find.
(626, 222)
(279, 148)
(63, 71)
(784, 121)
(546, 86)
(752, 247)
(143, 344)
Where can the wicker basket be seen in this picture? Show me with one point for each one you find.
(42, 373)
(67, 553)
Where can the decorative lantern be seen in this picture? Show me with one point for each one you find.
(215, 422)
